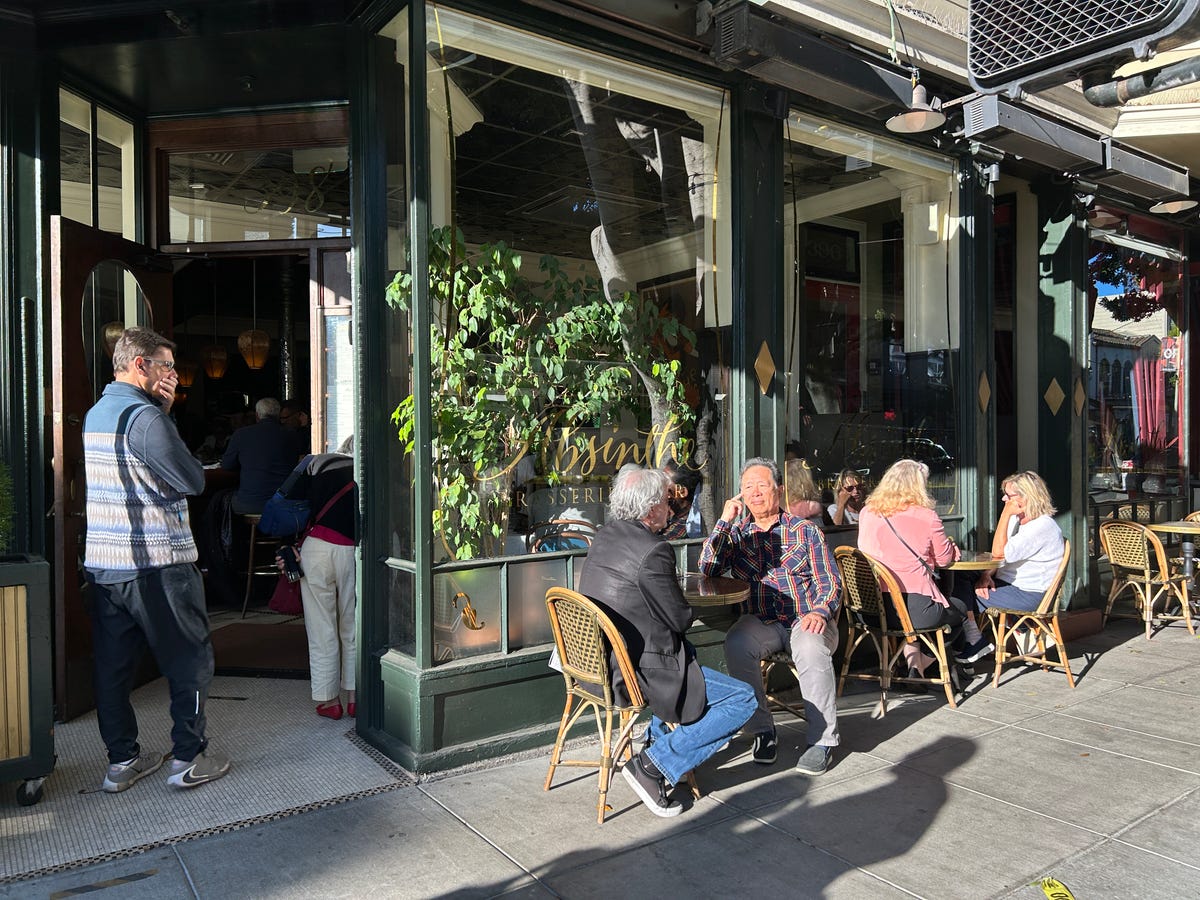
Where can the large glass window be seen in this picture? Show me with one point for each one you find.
(258, 195)
(96, 166)
(870, 316)
(579, 305)
(1137, 373)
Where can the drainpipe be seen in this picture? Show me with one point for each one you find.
(1118, 91)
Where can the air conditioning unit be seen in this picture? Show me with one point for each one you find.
(783, 54)
(1019, 46)
(989, 120)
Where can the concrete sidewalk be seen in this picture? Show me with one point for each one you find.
(1097, 786)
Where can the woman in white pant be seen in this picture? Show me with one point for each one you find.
(328, 588)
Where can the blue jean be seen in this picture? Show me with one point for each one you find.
(1005, 595)
(730, 705)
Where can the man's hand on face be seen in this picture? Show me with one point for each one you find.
(734, 507)
(165, 390)
(813, 622)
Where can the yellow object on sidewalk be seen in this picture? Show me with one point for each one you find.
(1056, 890)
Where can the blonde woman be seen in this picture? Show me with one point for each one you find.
(801, 497)
(899, 527)
(1028, 540)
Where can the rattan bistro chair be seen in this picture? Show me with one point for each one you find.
(1010, 626)
(1139, 562)
(866, 617)
(583, 635)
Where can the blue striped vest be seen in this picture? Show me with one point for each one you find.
(135, 520)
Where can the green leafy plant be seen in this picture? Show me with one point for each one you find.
(515, 361)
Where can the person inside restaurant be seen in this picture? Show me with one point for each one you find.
(795, 594)
(848, 496)
(264, 454)
(900, 528)
(630, 573)
(1028, 540)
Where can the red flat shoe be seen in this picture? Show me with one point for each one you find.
(350, 709)
(331, 710)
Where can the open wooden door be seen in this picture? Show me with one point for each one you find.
(100, 283)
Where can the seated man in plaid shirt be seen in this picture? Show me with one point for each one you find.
(795, 593)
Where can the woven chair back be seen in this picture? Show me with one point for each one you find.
(1193, 516)
(584, 635)
(1050, 600)
(864, 582)
(1132, 546)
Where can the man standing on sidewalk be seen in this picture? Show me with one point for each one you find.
(795, 593)
(141, 563)
(630, 574)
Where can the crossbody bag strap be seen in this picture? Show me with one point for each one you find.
(924, 564)
(332, 500)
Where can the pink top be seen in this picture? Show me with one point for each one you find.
(923, 531)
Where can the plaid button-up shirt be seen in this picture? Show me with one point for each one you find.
(788, 566)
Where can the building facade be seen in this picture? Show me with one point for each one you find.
(513, 247)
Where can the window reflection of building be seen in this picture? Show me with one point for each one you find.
(870, 331)
(1136, 380)
(610, 168)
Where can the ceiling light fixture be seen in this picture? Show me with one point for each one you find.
(254, 344)
(1178, 205)
(923, 114)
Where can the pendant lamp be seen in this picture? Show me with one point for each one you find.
(214, 357)
(255, 344)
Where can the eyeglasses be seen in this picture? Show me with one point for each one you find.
(758, 485)
(852, 488)
(167, 364)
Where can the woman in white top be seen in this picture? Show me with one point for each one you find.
(1030, 543)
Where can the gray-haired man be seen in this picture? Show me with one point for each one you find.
(630, 573)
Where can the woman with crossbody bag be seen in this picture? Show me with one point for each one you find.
(327, 587)
(899, 527)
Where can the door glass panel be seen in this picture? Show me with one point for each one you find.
(259, 195)
(75, 157)
(112, 301)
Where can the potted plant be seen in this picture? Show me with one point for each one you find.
(515, 361)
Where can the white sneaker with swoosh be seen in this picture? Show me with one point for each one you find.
(209, 765)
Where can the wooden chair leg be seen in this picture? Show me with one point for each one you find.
(1002, 636)
(556, 753)
(850, 647)
(944, 664)
(606, 765)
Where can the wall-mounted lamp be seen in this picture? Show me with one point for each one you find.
(1178, 205)
(922, 114)
(112, 332)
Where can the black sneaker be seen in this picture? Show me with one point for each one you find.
(765, 745)
(651, 789)
(976, 651)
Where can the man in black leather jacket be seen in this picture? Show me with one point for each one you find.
(630, 573)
